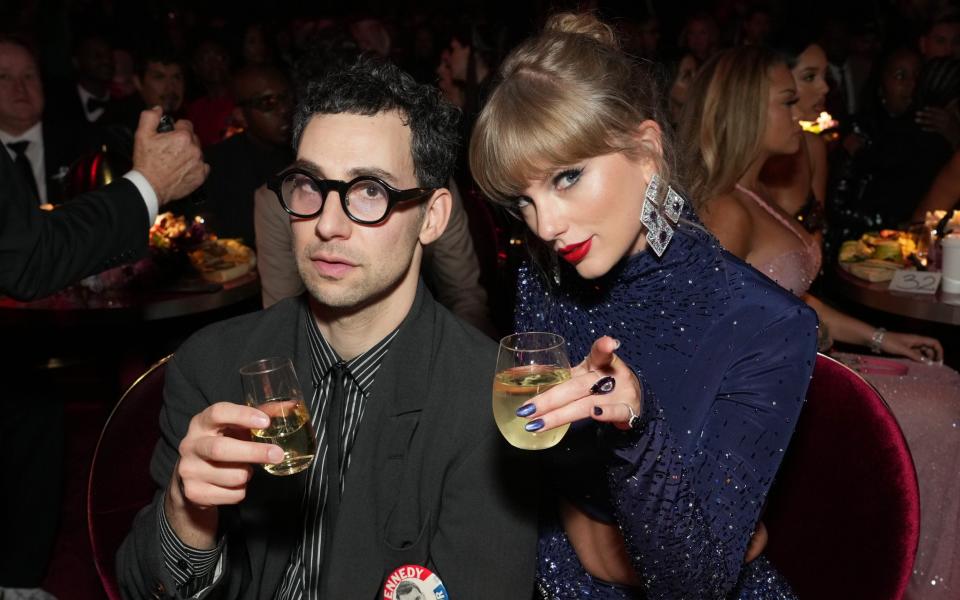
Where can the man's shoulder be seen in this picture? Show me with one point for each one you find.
(234, 145)
(231, 334)
(460, 340)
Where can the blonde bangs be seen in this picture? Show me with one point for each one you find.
(528, 129)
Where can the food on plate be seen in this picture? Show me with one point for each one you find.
(221, 260)
(876, 256)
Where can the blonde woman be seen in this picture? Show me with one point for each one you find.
(687, 392)
(743, 111)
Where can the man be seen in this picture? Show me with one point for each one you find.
(40, 252)
(79, 104)
(41, 153)
(939, 44)
(450, 265)
(417, 474)
(942, 37)
(241, 163)
(159, 81)
(211, 112)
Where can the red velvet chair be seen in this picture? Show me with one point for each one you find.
(844, 513)
(120, 483)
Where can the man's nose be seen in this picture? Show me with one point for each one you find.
(333, 222)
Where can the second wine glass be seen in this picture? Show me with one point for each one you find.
(528, 364)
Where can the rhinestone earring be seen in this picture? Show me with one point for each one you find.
(656, 218)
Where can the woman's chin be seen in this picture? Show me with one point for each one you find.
(590, 270)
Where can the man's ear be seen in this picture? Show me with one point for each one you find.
(435, 217)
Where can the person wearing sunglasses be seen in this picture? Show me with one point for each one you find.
(425, 482)
(241, 163)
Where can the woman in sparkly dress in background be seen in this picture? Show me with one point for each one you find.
(694, 366)
(742, 107)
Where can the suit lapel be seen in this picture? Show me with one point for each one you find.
(397, 396)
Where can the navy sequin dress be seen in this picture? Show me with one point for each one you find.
(724, 356)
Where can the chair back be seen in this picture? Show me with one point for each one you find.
(120, 483)
(844, 513)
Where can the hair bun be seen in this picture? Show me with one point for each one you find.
(582, 24)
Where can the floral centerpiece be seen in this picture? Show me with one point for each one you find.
(171, 239)
(172, 235)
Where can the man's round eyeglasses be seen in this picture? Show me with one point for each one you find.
(366, 199)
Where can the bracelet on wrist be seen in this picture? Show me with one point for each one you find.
(876, 340)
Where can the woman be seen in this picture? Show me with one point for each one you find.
(680, 73)
(687, 392)
(798, 181)
(891, 162)
(763, 123)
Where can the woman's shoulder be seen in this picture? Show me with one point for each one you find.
(729, 219)
(727, 285)
(757, 299)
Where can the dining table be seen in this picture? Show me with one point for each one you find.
(120, 330)
(940, 307)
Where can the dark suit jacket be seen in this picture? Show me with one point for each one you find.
(41, 252)
(238, 166)
(431, 482)
(63, 144)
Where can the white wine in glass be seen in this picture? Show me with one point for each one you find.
(271, 386)
(527, 364)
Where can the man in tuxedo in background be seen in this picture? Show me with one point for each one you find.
(79, 104)
(42, 150)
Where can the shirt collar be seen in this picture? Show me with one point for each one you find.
(34, 135)
(361, 369)
(85, 95)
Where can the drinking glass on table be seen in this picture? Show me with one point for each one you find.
(271, 386)
(528, 364)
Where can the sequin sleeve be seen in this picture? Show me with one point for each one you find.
(687, 516)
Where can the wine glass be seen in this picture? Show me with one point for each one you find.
(528, 364)
(271, 386)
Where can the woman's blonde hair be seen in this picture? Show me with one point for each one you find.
(724, 119)
(563, 96)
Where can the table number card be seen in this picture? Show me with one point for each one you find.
(915, 282)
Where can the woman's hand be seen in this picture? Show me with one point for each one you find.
(590, 392)
(915, 347)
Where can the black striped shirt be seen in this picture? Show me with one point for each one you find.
(193, 570)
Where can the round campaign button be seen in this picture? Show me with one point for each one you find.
(413, 582)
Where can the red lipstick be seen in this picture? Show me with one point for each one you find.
(574, 253)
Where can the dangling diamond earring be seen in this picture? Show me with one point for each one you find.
(659, 230)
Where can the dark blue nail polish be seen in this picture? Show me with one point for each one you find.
(535, 425)
(526, 410)
(597, 411)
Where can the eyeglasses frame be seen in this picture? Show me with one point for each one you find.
(394, 196)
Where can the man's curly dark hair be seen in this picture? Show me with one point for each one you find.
(368, 86)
